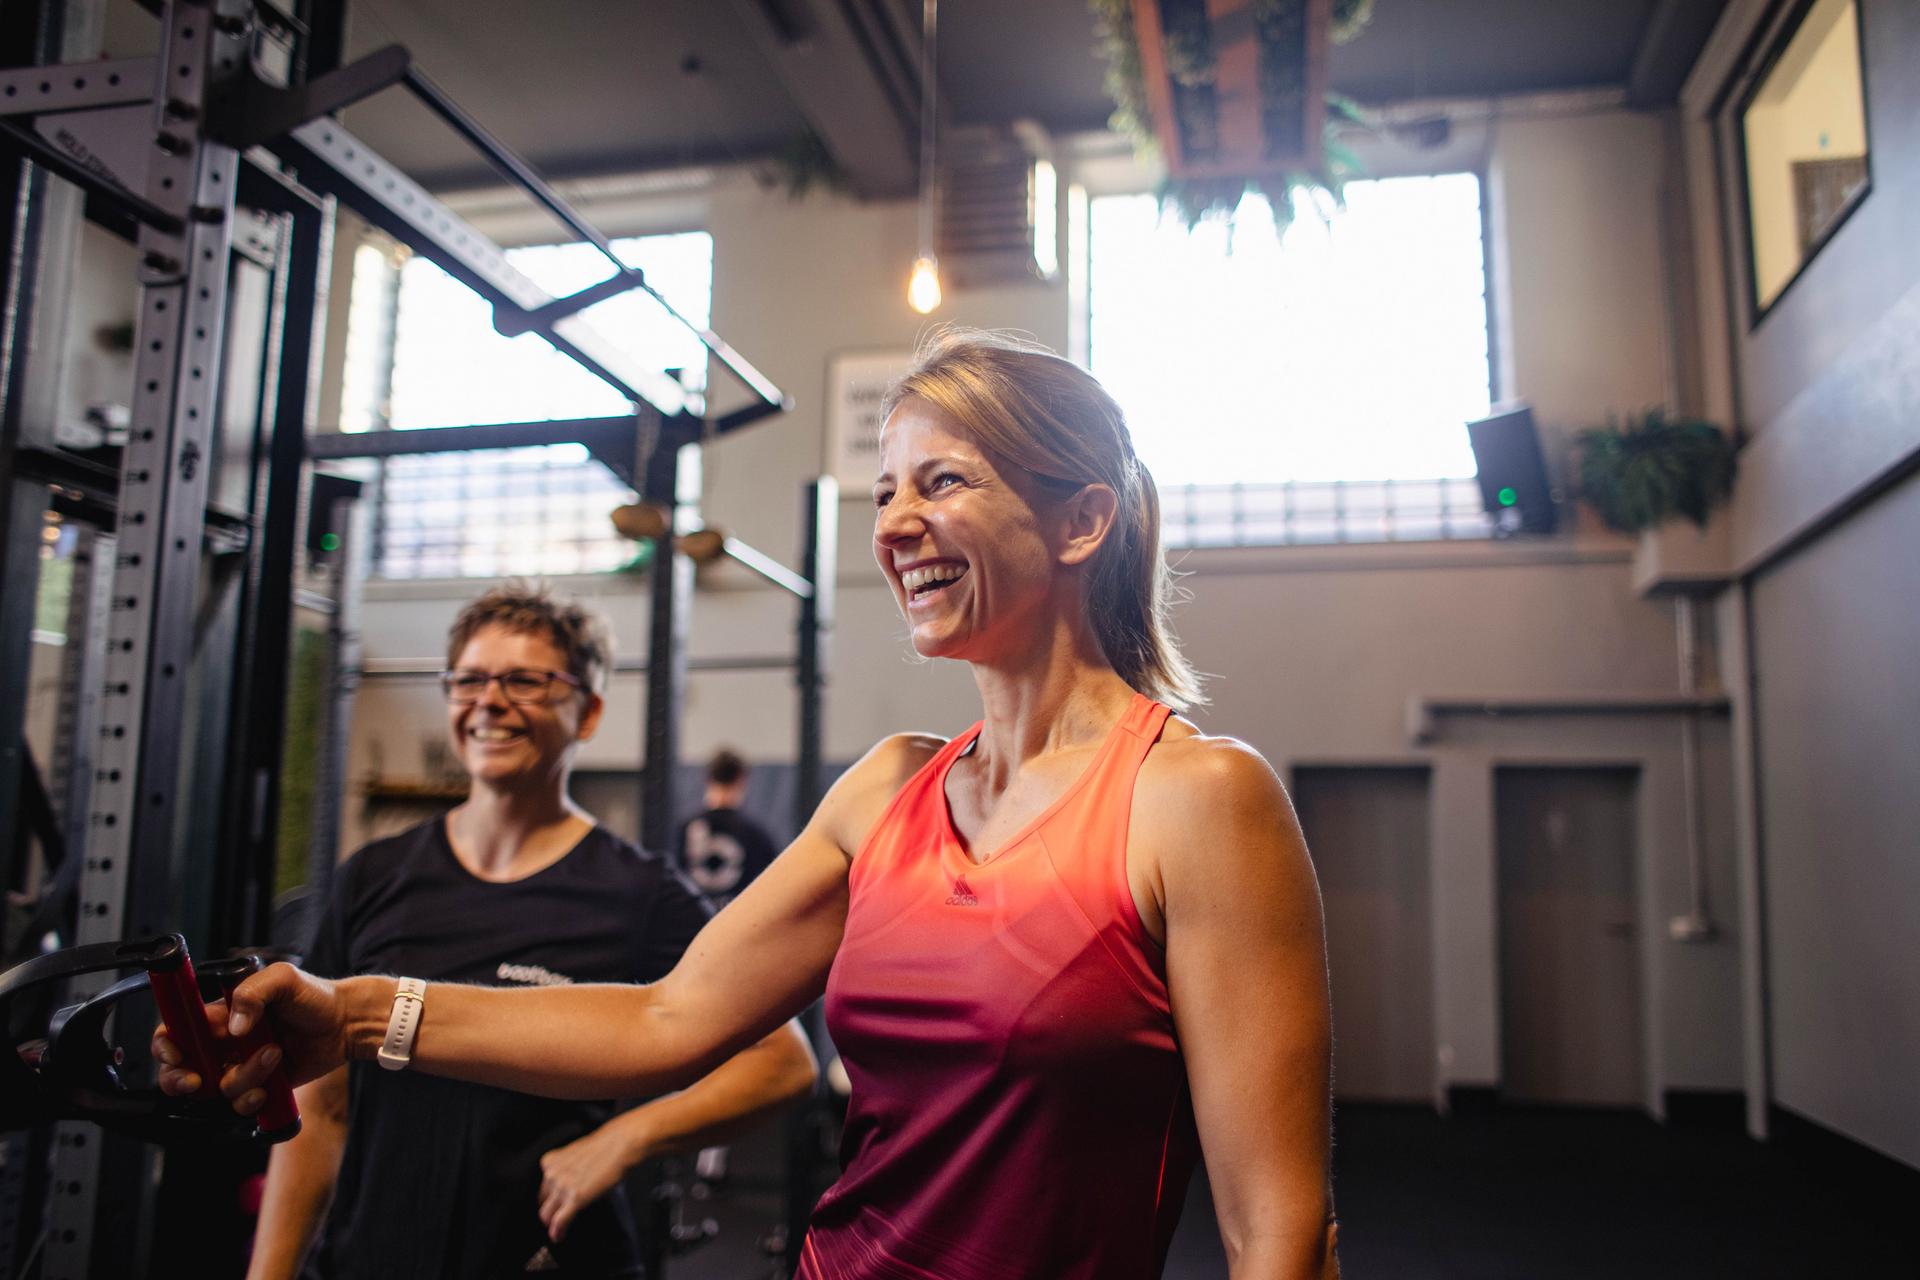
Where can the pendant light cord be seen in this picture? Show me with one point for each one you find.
(929, 34)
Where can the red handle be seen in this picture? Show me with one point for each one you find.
(281, 1114)
(176, 992)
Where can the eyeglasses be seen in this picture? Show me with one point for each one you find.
(521, 685)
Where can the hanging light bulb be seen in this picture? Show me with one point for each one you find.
(923, 286)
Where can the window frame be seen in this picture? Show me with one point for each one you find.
(1478, 170)
(383, 420)
(1763, 54)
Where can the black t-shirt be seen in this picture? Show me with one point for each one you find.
(721, 851)
(441, 1178)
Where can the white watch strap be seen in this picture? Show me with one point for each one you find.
(409, 1003)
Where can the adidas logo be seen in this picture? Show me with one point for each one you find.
(962, 896)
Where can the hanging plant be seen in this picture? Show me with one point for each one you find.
(1203, 178)
(803, 165)
(1192, 199)
(1651, 468)
(1350, 18)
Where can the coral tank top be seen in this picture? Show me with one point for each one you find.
(1020, 1106)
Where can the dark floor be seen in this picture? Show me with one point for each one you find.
(1512, 1195)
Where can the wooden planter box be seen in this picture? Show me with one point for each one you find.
(1232, 127)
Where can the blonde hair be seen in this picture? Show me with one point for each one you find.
(1049, 417)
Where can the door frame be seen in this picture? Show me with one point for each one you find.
(1648, 926)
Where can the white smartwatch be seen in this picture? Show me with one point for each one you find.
(409, 1003)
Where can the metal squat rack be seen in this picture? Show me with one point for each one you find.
(219, 158)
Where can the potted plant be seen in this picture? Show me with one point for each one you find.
(1231, 103)
(1649, 468)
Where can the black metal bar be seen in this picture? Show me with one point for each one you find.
(749, 414)
(129, 882)
(513, 167)
(326, 39)
(819, 560)
(34, 817)
(351, 516)
(36, 214)
(29, 33)
(670, 591)
(512, 324)
(110, 193)
(818, 563)
(263, 656)
(254, 111)
(332, 161)
(77, 734)
(596, 433)
(503, 158)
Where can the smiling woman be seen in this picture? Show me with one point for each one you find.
(975, 395)
(520, 887)
(1063, 951)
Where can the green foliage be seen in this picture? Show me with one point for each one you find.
(805, 163)
(1350, 18)
(1126, 83)
(300, 750)
(1650, 468)
(1192, 199)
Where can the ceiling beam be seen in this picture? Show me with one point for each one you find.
(1676, 31)
(848, 83)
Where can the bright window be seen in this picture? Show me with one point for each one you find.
(1349, 351)
(543, 510)
(1804, 132)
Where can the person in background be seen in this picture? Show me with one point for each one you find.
(722, 849)
(516, 887)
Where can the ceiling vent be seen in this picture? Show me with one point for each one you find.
(999, 205)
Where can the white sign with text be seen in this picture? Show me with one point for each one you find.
(856, 383)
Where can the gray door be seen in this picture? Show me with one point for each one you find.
(1569, 958)
(1367, 831)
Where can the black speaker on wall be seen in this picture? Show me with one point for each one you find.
(1513, 473)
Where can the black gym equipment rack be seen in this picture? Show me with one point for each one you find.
(220, 159)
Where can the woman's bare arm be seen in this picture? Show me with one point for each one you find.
(751, 968)
(300, 1179)
(1247, 974)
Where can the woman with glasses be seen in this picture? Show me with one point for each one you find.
(518, 886)
(1063, 952)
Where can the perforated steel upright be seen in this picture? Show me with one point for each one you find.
(182, 306)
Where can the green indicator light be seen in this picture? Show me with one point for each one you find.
(1507, 498)
(331, 541)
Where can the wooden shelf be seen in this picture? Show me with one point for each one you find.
(414, 791)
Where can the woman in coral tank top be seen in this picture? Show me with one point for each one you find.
(1065, 954)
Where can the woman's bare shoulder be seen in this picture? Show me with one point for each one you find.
(899, 756)
(1186, 757)
(1195, 783)
(856, 801)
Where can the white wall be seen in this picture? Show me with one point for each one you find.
(1828, 388)
(1836, 634)
(1577, 270)
(1315, 652)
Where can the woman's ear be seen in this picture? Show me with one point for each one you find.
(590, 717)
(1088, 518)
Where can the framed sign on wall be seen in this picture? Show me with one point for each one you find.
(856, 383)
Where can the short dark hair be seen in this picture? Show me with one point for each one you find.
(727, 767)
(530, 608)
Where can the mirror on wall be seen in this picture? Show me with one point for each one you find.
(1805, 130)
